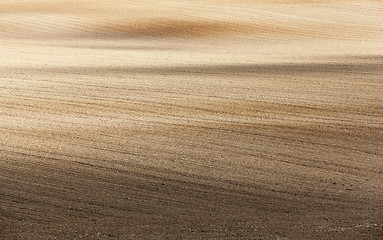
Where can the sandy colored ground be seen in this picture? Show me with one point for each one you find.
(215, 119)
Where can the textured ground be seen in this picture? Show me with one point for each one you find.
(215, 119)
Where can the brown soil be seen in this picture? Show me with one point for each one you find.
(191, 120)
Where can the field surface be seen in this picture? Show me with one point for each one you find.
(191, 119)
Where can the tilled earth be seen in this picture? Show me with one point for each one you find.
(191, 120)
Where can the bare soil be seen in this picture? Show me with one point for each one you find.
(191, 119)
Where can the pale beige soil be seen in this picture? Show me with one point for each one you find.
(187, 119)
